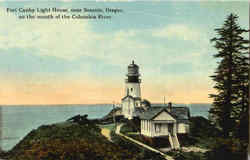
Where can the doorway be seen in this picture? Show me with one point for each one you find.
(171, 129)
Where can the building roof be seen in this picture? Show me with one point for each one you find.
(133, 65)
(152, 112)
(146, 103)
(127, 96)
(181, 114)
(139, 110)
(131, 97)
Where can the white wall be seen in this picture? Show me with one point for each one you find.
(128, 107)
(182, 128)
(136, 89)
(148, 128)
(160, 130)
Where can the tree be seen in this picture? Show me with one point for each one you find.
(230, 103)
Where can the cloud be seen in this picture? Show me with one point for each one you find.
(78, 43)
(179, 31)
(62, 38)
(71, 39)
(76, 39)
(78, 47)
(55, 47)
(67, 39)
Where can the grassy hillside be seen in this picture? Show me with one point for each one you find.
(67, 141)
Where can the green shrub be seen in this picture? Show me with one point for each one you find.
(187, 140)
(126, 128)
(202, 127)
(180, 155)
(229, 149)
(132, 125)
(68, 141)
(138, 152)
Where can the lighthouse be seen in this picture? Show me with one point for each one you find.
(132, 97)
(132, 83)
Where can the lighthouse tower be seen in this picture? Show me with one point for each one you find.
(132, 99)
(132, 83)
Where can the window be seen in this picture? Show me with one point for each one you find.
(147, 125)
(158, 127)
(131, 89)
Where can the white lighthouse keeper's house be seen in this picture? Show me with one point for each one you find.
(168, 121)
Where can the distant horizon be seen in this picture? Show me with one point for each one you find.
(1, 105)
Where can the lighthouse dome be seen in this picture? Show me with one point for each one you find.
(133, 69)
(133, 65)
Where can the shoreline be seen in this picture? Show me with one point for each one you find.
(110, 110)
(82, 105)
(51, 105)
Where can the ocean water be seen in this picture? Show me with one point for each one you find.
(198, 109)
(18, 121)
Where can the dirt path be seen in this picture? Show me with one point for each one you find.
(194, 149)
(185, 149)
(167, 157)
(106, 132)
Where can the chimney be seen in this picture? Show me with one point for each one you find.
(169, 107)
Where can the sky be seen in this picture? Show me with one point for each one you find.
(85, 61)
